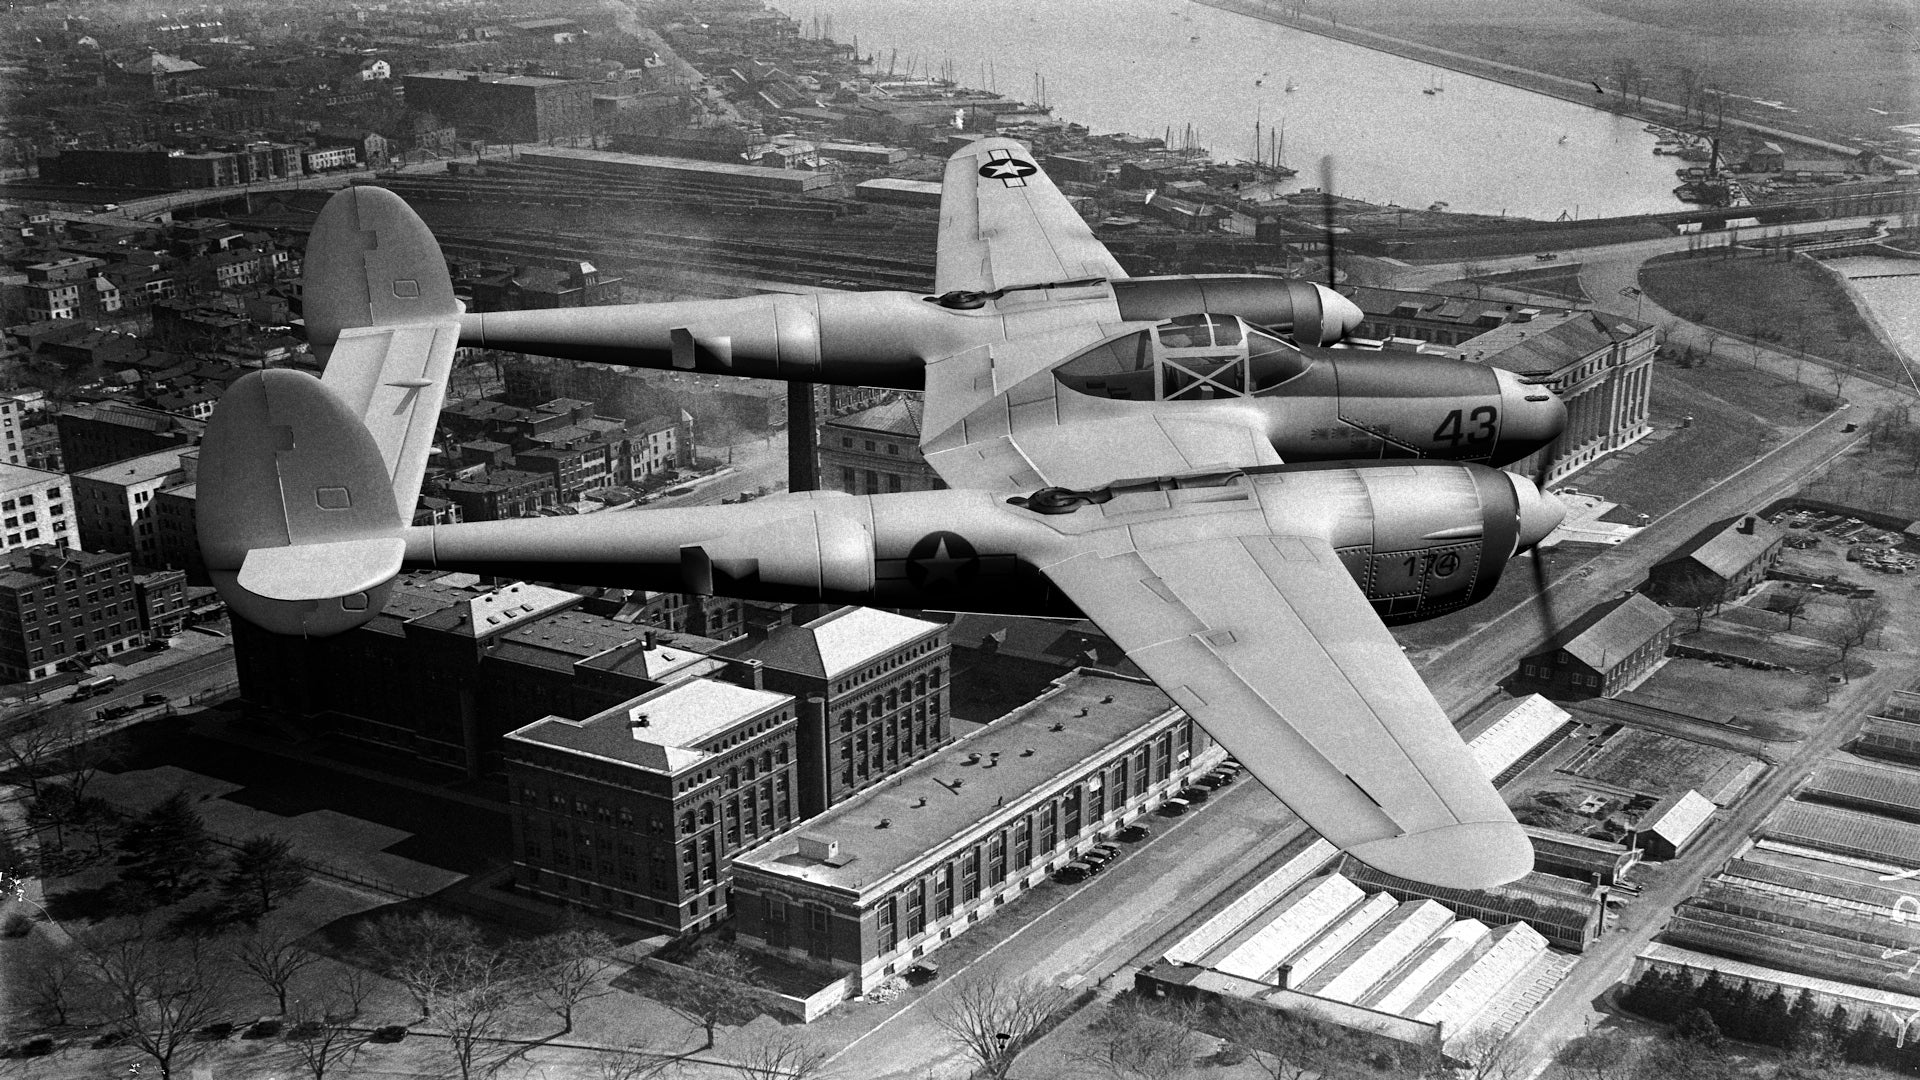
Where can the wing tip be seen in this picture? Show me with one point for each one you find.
(1470, 855)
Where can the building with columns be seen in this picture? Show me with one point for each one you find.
(1600, 364)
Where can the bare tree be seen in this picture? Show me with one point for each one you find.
(58, 988)
(780, 1056)
(263, 871)
(471, 1016)
(1701, 594)
(323, 1043)
(275, 960)
(31, 743)
(160, 993)
(1490, 1055)
(347, 990)
(717, 987)
(993, 1017)
(1285, 1047)
(565, 968)
(1859, 619)
(1132, 1041)
(423, 951)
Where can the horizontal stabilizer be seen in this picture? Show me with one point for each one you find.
(322, 571)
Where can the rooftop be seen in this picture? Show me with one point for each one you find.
(1735, 971)
(1728, 547)
(977, 780)
(836, 643)
(1609, 633)
(15, 477)
(505, 78)
(499, 610)
(1550, 341)
(660, 730)
(1677, 817)
(137, 470)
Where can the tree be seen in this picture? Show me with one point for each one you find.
(1491, 1055)
(471, 1013)
(1859, 618)
(716, 986)
(262, 872)
(780, 1056)
(323, 1043)
(274, 960)
(564, 968)
(58, 987)
(1285, 1047)
(1697, 1027)
(159, 993)
(347, 990)
(993, 1017)
(31, 743)
(1131, 1040)
(1701, 593)
(1600, 1055)
(167, 849)
(424, 951)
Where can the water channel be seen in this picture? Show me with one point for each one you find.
(1147, 66)
(1890, 289)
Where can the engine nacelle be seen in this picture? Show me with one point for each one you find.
(803, 557)
(1440, 537)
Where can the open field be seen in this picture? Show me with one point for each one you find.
(1793, 305)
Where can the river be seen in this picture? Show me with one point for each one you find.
(1145, 66)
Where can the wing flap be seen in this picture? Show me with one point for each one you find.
(1271, 647)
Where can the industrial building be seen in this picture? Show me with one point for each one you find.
(1346, 950)
(921, 193)
(1512, 735)
(891, 874)
(502, 106)
(1893, 1011)
(1672, 824)
(637, 811)
(110, 431)
(449, 667)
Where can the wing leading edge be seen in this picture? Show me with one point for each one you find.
(1270, 646)
(1003, 222)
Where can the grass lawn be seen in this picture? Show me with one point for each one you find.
(1790, 305)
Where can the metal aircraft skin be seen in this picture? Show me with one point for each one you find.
(1256, 595)
(1043, 363)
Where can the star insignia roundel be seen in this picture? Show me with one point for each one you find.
(1008, 169)
(942, 560)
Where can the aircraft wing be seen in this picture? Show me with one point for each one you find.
(1002, 222)
(1270, 646)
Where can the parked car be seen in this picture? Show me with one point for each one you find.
(921, 973)
(1174, 807)
(1214, 781)
(1195, 794)
(1071, 873)
(154, 698)
(1133, 834)
(1111, 851)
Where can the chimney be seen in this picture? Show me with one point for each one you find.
(1746, 525)
(756, 674)
(646, 641)
(639, 721)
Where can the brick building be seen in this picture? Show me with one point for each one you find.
(500, 493)
(161, 599)
(876, 450)
(1719, 562)
(1605, 651)
(36, 507)
(103, 433)
(63, 608)
(873, 688)
(636, 812)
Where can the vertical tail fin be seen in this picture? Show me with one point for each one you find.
(306, 485)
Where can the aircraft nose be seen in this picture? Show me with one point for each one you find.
(1540, 511)
(1531, 416)
(1339, 316)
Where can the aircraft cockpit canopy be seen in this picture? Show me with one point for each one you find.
(1188, 358)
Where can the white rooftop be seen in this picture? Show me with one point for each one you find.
(856, 635)
(137, 470)
(687, 713)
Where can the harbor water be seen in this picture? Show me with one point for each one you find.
(1154, 66)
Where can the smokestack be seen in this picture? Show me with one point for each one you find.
(756, 674)
(646, 641)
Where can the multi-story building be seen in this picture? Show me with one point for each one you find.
(449, 667)
(114, 504)
(636, 812)
(896, 871)
(36, 507)
(161, 598)
(101, 434)
(874, 692)
(501, 493)
(61, 607)
(876, 450)
(13, 446)
(63, 288)
(1601, 365)
(503, 106)
(1719, 562)
(176, 539)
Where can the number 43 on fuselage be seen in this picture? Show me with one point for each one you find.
(1043, 363)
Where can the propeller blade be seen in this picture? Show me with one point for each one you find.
(1326, 203)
